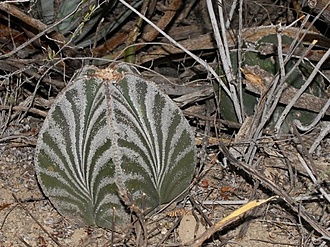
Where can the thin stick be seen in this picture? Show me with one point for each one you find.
(232, 11)
(168, 233)
(301, 90)
(199, 60)
(234, 216)
(325, 131)
(14, 11)
(275, 189)
(38, 223)
(313, 178)
(315, 121)
(222, 45)
(24, 108)
(240, 54)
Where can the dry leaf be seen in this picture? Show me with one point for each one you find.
(186, 228)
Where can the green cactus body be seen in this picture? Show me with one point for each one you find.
(107, 132)
(269, 63)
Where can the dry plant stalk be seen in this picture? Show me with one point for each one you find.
(234, 216)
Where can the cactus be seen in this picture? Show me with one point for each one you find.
(269, 63)
(79, 17)
(111, 131)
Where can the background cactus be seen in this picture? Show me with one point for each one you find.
(268, 62)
